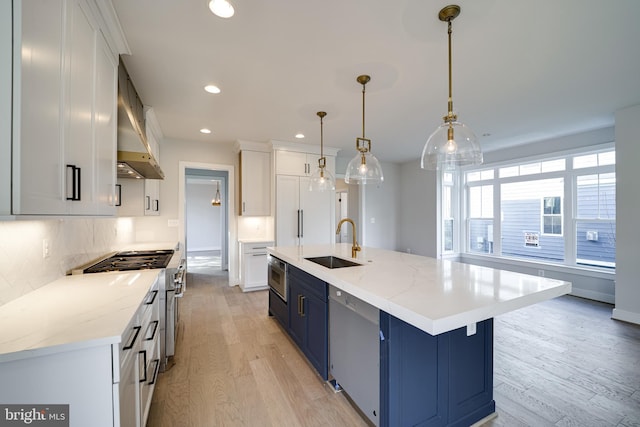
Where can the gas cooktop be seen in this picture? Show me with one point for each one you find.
(132, 260)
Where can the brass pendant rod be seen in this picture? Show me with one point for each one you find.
(363, 86)
(321, 137)
(450, 78)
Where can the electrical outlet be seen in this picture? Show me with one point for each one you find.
(541, 273)
(46, 249)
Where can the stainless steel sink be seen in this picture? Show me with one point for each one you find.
(332, 262)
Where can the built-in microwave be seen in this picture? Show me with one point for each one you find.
(278, 277)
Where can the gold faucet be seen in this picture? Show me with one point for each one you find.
(355, 248)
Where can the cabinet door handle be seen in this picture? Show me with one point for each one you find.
(133, 340)
(156, 205)
(264, 254)
(244, 207)
(302, 313)
(144, 361)
(118, 195)
(299, 305)
(76, 178)
(147, 204)
(301, 223)
(298, 235)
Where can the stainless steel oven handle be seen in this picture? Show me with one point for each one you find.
(179, 291)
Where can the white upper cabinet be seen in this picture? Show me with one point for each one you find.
(255, 183)
(64, 111)
(300, 164)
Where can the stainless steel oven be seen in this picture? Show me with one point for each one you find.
(278, 277)
(176, 284)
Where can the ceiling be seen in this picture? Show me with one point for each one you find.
(523, 71)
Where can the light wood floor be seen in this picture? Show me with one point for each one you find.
(559, 363)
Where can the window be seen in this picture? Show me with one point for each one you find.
(531, 220)
(481, 218)
(447, 212)
(560, 209)
(552, 215)
(595, 219)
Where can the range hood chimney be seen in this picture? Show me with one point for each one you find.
(135, 159)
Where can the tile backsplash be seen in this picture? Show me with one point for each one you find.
(71, 242)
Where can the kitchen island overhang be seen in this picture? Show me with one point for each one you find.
(435, 329)
(434, 295)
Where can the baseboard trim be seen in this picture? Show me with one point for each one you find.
(594, 295)
(626, 316)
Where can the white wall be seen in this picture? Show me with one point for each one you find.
(203, 219)
(172, 152)
(417, 217)
(377, 217)
(72, 243)
(627, 215)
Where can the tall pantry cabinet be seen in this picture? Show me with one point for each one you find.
(64, 110)
(303, 217)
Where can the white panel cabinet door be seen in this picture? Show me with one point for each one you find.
(255, 190)
(6, 29)
(38, 162)
(287, 210)
(106, 126)
(317, 211)
(303, 217)
(78, 121)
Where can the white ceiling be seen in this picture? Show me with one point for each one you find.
(522, 70)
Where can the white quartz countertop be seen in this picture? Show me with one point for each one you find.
(433, 295)
(72, 312)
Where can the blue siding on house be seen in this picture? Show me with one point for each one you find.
(601, 251)
(524, 216)
(480, 236)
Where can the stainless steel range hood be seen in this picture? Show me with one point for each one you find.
(135, 159)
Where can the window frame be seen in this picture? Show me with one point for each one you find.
(568, 204)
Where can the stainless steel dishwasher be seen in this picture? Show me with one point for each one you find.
(354, 350)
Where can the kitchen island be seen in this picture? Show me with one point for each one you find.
(436, 326)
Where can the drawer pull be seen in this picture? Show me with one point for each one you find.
(133, 340)
(155, 372)
(153, 297)
(155, 328)
(144, 363)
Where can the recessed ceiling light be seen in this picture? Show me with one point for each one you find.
(299, 135)
(205, 130)
(212, 89)
(221, 8)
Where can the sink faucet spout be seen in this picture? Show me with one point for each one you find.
(355, 248)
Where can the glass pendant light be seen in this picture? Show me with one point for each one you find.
(364, 167)
(452, 144)
(216, 200)
(321, 179)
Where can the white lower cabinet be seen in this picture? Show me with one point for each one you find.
(253, 265)
(105, 385)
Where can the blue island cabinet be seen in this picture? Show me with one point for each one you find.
(308, 317)
(441, 380)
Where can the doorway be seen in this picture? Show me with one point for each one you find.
(206, 221)
(207, 229)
